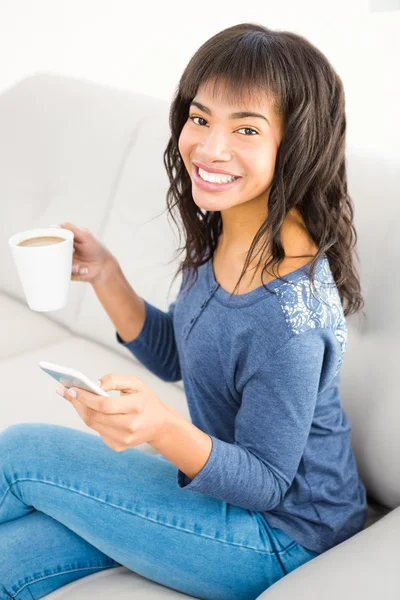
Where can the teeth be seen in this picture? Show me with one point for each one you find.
(215, 177)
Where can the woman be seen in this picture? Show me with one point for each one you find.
(264, 478)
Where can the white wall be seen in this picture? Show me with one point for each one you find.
(145, 46)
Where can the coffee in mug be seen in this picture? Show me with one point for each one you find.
(44, 240)
(43, 259)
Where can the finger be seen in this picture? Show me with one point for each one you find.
(68, 225)
(113, 405)
(112, 442)
(120, 429)
(77, 231)
(119, 426)
(117, 431)
(123, 382)
(78, 269)
(78, 277)
(89, 416)
(82, 278)
(113, 439)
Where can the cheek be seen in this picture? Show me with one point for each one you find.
(264, 164)
(259, 165)
(184, 143)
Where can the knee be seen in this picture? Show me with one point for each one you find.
(17, 436)
(13, 441)
(29, 439)
(19, 444)
(15, 431)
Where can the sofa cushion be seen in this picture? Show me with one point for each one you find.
(23, 330)
(363, 566)
(117, 583)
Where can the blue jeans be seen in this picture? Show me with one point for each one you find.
(71, 506)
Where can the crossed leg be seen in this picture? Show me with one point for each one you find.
(71, 506)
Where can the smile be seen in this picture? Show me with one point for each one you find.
(213, 182)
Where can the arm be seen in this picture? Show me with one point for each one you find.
(144, 329)
(124, 307)
(271, 428)
(184, 444)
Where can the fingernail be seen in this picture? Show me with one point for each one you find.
(99, 382)
(60, 391)
(83, 271)
(72, 392)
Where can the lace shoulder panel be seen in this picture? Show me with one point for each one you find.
(311, 306)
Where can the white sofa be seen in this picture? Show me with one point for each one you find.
(75, 151)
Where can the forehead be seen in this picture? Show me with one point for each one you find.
(226, 94)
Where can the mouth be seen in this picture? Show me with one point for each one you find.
(210, 186)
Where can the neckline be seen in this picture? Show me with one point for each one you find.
(260, 292)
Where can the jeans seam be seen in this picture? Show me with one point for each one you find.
(136, 514)
(63, 572)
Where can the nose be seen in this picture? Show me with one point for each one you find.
(215, 147)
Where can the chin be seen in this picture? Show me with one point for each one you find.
(213, 201)
(211, 205)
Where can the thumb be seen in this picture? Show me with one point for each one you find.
(122, 382)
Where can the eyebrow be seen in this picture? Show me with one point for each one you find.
(235, 115)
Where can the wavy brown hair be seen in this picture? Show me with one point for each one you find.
(310, 168)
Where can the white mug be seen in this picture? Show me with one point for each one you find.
(44, 271)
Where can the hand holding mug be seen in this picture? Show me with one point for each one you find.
(92, 261)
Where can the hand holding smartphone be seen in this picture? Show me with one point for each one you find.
(69, 378)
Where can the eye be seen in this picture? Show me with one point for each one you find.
(249, 129)
(192, 118)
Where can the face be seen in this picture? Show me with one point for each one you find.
(244, 146)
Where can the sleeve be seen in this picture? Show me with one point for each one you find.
(271, 426)
(155, 347)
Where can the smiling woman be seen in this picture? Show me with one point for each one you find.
(267, 107)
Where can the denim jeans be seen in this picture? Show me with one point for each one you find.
(71, 506)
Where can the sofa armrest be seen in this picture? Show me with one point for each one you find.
(366, 566)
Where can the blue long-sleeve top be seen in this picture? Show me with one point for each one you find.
(261, 376)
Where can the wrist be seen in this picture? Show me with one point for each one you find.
(183, 444)
(175, 413)
(110, 270)
(166, 429)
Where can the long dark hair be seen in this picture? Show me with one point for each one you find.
(310, 169)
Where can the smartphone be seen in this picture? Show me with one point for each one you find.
(71, 378)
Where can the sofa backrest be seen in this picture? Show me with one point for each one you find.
(63, 148)
(369, 386)
(80, 152)
(138, 230)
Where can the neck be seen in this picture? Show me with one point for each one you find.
(234, 242)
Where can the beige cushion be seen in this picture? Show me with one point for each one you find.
(365, 567)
